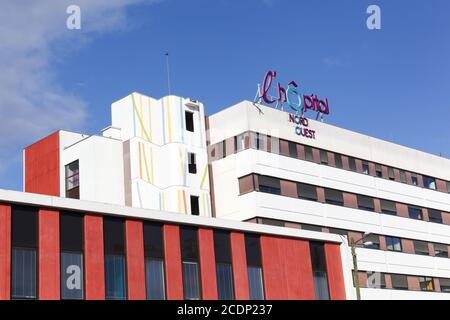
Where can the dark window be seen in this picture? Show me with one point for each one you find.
(372, 241)
(393, 244)
(378, 171)
(399, 281)
(338, 161)
(271, 222)
(192, 163)
(269, 185)
(323, 157)
(311, 227)
(306, 191)
(195, 210)
(426, 283)
(415, 213)
(388, 207)
(309, 153)
(391, 174)
(429, 182)
(414, 179)
(365, 167)
(435, 216)
(154, 261)
(421, 247)
(334, 197)
(224, 271)
(448, 186)
(319, 269)
(189, 118)
(115, 274)
(73, 180)
(71, 244)
(441, 250)
(292, 149)
(23, 255)
(341, 232)
(190, 261)
(445, 285)
(402, 176)
(365, 203)
(254, 267)
(352, 163)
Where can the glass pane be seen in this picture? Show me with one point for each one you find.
(388, 207)
(114, 236)
(321, 285)
(23, 273)
(189, 243)
(352, 163)
(225, 281)
(24, 227)
(415, 213)
(323, 157)
(334, 197)
(153, 240)
(365, 203)
(365, 167)
(255, 283)
(222, 246)
(154, 279)
(292, 149)
(309, 153)
(269, 185)
(115, 277)
(275, 145)
(252, 250)
(72, 169)
(338, 161)
(307, 191)
(71, 275)
(71, 230)
(191, 283)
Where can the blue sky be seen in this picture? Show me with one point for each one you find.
(392, 83)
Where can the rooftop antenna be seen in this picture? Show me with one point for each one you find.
(168, 71)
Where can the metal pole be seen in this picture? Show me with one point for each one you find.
(355, 270)
(168, 71)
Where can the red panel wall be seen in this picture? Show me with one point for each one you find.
(334, 271)
(239, 260)
(94, 257)
(172, 252)
(5, 252)
(207, 264)
(42, 166)
(287, 268)
(49, 268)
(135, 260)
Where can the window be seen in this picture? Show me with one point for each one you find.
(319, 268)
(415, 213)
(445, 285)
(224, 270)
(426, 284)
(240, 141)
(192, 166)
(338, 161)
(221, 148)
(441, 250)
(388, 207)
(334, 197)
(448, 186)
(323, 157)
(271, 222)
(376, 280)
(378, 171)
(259, 141)
(399, 281)
(154, 261)
(372, 241)
(365, 203)
(73, 180)
(306, 191)
(292, 149)
(365, 167)
(254, 267)
(421, 247)
(341, 232)
(429, 182)
(414, 179)
(391, 174)
(246, 184)
(393, 244)
(189, 118)
(309, 153)
(115, 274)
(269, 185)
(23, 255)
(195, 209)
(434, 216)
(71, 246)
(190, 263)
(402, 176)
(311, 227)
(352, 163)
(275, 145)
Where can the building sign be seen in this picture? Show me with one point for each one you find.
(298, 102)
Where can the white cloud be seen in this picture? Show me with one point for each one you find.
(32, 104)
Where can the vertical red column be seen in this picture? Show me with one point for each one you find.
(94, 257)
(49, 268)
(207, 264)
(334, 271)
(135, 260)
(172, 253)
(239, 260)
(5, 252)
